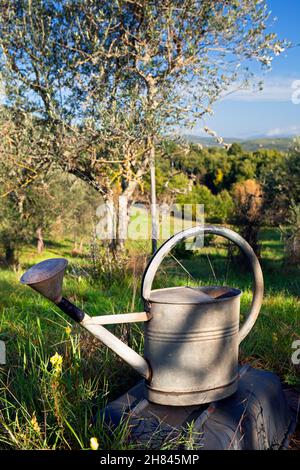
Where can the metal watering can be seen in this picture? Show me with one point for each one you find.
(192, 334)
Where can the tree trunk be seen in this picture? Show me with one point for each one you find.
(250, 233)
(10, 259)
(292, 249)
(40, 240)
(117, 221)
(154, 227)
(122, 222)
(117, 242)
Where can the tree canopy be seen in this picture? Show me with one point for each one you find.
(107, 77)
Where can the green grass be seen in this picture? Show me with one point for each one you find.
(44, 407)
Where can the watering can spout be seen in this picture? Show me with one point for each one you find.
(47, 279)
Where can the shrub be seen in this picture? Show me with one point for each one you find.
(217, 208)
(248, 199)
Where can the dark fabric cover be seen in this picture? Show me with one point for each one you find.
(257, 417)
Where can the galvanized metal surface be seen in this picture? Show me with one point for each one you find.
(120, 318)
(192, 349)
(187, 295)
(47, 277)
(125, 352)
(188, 324)
(191, 334)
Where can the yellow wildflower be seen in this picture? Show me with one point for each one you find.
(94, 444)
(35, 424)
(68, 330)
(56, 362)
(275, 337)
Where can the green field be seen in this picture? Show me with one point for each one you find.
(50, 405)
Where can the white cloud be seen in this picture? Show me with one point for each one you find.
(276, 89)
(278, 131)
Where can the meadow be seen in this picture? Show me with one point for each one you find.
(58, 378)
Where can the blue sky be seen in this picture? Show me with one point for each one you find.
(270, 112)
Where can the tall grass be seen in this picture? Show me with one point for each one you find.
(58, 378)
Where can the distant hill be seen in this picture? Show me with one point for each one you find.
(279, 143)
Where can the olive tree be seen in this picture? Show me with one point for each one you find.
(106, 80)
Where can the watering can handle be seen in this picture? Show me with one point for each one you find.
(258, 282)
